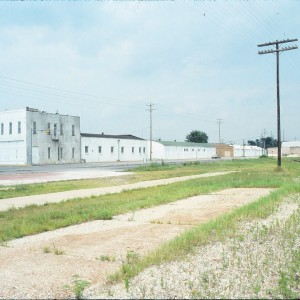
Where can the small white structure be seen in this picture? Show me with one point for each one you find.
(30, 136)
(247, 151)
(103, 147)
(287, 149)
(168, 150)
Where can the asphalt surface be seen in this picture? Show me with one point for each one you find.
(15, 175)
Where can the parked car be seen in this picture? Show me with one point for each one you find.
(215, 156)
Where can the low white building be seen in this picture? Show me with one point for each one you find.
(287, 149)
(168, 150)
(30, 136)
(103, 147)
(247, 151)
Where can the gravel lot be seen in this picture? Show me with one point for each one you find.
(245, 267)
(39, 266)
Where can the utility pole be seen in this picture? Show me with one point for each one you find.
(243, 148)
(277, 50)
(263, 135)
(150, 110)
(219, 121)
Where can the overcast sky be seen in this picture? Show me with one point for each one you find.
(196, 61)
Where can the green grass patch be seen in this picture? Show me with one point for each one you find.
(33, 219)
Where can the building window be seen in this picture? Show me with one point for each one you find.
(111, 149)
(2, 128)
(10, 127)
(34, 127)
(73, 152)
(99, 149)
(86, 149)
(132, 149)
(58, 153)
(55, 129)
(122, 149)
(19, 127)
(48, 126)
(49, 152)
(73, 130)
(61, 129)
(61, 152)
(144, 149)
(140, 149)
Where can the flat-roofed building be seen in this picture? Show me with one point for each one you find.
(30, 136)
(104, 147)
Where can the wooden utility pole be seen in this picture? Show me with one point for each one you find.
(277, 50)
(219, 121)
(150, 110)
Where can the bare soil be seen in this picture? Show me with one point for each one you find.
(27, 271)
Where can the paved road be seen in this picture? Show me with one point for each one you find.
(62, 196)
(13, 175)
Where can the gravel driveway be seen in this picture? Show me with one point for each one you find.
(39, 266)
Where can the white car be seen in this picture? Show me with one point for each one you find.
(215, 156)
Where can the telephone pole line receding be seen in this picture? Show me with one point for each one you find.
(150, 110)
(277, 50)
(219, 121)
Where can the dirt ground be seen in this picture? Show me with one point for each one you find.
(27, 270)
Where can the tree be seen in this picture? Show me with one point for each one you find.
(251, 143)
(196, 136)
(267, 142)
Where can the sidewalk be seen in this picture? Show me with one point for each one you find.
(17, 202)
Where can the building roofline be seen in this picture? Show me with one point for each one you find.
(111, 136)
(185, 144)
(42, 111)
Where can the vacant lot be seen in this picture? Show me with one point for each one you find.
(109, 239)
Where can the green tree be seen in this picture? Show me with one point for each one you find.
(267, 142)
(196, 136)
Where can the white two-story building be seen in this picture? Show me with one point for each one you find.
(30, 136)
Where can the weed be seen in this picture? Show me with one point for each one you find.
(126, 282)
(106, 258)
(131, 257)
(130, 219)
(78, 286)
(47, 249)
(143, 291)
(256, 289)
(58, 251)
(162, 282)
(110, 293)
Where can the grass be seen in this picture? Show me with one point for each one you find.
(33, 219)
(141, 173)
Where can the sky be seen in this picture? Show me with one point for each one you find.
(196, 62)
